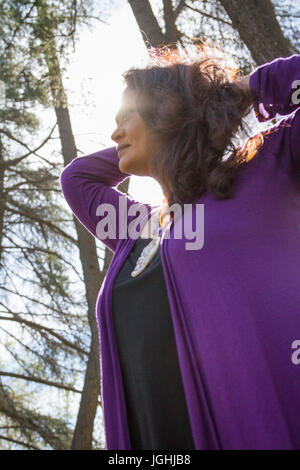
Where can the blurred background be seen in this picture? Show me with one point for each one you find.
(61, 65)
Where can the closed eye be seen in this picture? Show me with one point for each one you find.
(124, 114)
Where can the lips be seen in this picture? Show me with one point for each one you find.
(122, 147)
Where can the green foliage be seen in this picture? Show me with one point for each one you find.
(46, 335)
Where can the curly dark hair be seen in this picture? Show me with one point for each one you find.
(195, 108)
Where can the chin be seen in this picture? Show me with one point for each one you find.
(131, 167)
(123, 167)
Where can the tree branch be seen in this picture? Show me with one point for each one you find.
(208, 15)
(179, 8)
(40, 381)
(29, 446)
(15, 161)
(37, 327)
(25, 212)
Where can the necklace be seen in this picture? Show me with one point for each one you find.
(150, 249)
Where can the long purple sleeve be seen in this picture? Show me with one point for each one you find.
(274, 89)
(88, 183)
(271, 84)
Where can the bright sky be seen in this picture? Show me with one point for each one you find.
(94, 82)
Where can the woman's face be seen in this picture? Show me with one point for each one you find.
(136, 142)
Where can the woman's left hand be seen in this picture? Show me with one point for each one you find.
(243, 84)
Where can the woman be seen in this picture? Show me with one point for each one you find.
(197, 344)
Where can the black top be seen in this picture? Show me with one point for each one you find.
(156, 407)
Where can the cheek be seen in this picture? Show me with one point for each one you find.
(140, 148)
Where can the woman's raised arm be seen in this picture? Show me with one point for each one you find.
(275, 89)
(88, 185)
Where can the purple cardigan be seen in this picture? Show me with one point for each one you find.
(235, 302)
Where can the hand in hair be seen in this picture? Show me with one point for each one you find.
(243, 84)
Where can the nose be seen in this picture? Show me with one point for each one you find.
(117, 134)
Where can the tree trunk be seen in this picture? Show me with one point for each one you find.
(171, 34)
(83, 433)
(149, 27)
(2, 197)
(147, 23)
(258, 28)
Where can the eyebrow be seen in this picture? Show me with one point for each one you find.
(122, 111)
